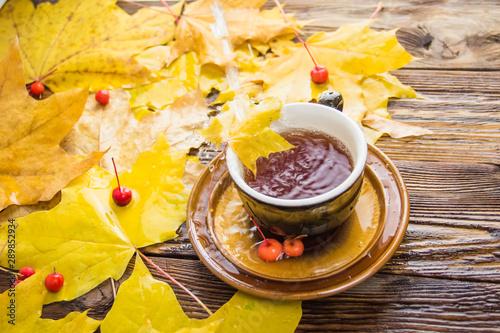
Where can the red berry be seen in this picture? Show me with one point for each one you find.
(102, 96)
(319, 74)
(37, 88)
(122, 195)
(17, 282)
(26, 272)
(54, 282)
(293, 247)
(270, 250)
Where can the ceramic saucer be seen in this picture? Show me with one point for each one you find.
(225, 240)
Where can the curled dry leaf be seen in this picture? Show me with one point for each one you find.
(88, 237)
(88, 42)
(33, 167)
(244, 22)
(394, 128)
(115, 127)
(28, 308)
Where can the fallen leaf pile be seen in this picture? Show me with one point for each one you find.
(55, 151)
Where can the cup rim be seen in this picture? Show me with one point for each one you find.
(359, 167)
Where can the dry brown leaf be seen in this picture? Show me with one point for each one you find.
(114, 126)
(33, 167)
(192, 171)
(14, 211)
(196, 31)
(394, 128)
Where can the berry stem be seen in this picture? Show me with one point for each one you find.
(296, 34)
(175, 281)
(251, 218)
(379, 8)
(116, 172)
(170, 10)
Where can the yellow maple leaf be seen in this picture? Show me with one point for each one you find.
(144, 304)
(353, 49)
(26, 301)
(114, 128)
(87, 42)
(196, 30)
(254, 314)
(356, 49)
(357, 60)
(33, 167)
(88, 238)
(246, 128)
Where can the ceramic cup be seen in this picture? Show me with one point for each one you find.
(318, 214)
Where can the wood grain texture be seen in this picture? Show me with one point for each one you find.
(442, 33)
(382, 303)
(461, 108)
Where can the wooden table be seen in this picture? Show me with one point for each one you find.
(445, 276)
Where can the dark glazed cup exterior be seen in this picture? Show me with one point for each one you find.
(315, 215)
(310, 220)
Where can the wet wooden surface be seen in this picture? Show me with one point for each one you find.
(445, 276)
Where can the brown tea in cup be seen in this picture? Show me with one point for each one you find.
(317, 164)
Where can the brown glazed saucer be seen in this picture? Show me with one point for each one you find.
(226, 241)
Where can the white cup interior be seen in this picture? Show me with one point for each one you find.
(315, 117)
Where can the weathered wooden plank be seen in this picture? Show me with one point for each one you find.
(462, 110)
(382, 303)
(465, 87)
(401, 303)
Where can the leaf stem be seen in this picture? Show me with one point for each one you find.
(113, 287)
(175, 281)
(8, 271)
(296, 34)
(46, 75)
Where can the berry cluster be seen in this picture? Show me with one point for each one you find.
(53, 282)
(271, 250)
